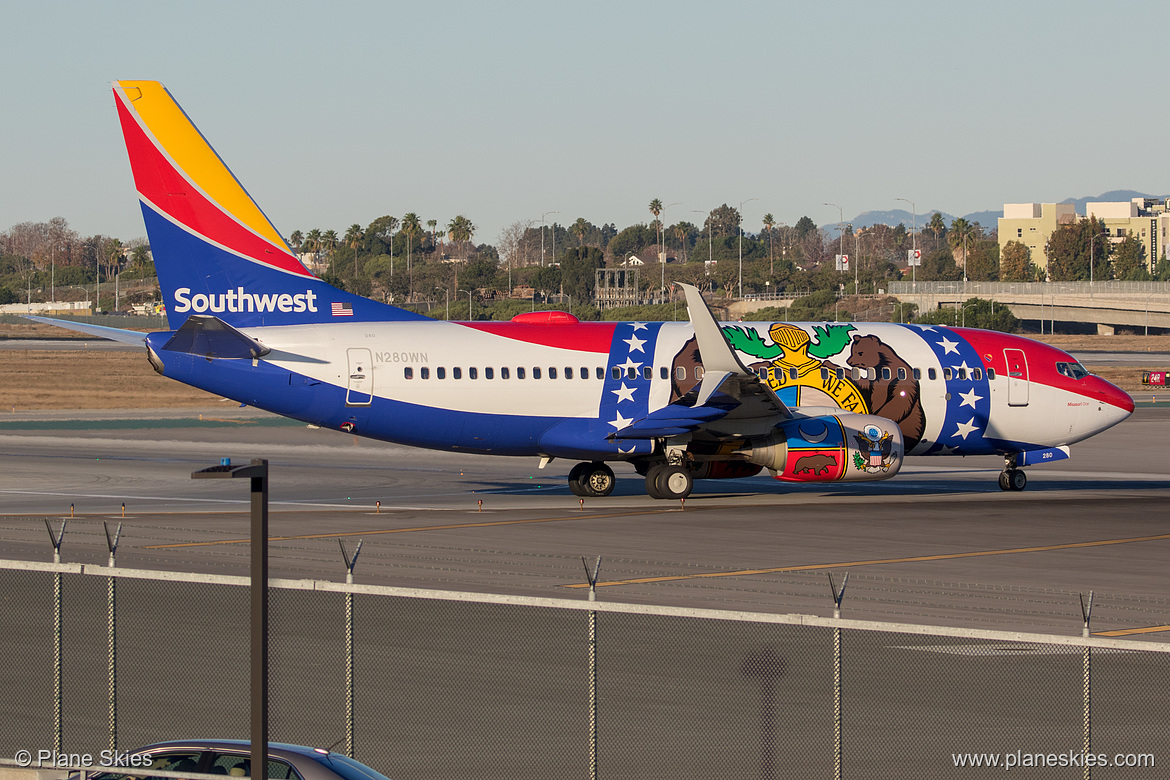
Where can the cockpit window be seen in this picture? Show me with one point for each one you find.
(1072, 370)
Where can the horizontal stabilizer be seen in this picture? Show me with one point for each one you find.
(212, 337)
(100, 331)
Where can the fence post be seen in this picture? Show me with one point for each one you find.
(56, 539)
(349, 683)
(838, 595)
(112, 634)
(592, 577)
(1087, 685)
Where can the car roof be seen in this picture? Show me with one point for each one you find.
(274, 748)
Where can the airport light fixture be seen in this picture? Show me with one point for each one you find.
(662, 242)
(914, 242)
(542, 216)
(841, 238)
(468, 303)
(257, 472)
(749, 200)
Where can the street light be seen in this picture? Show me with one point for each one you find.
(841, 237)
(914, 241)
(542, 216)
(447, 301)
(468, 303)
(662, 242)
(749, 200)
(257, 472)
(710, 250)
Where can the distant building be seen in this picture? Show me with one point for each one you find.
(1033, 223)
(616, 287)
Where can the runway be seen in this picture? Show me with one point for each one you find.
(939, 544)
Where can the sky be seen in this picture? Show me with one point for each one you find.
(336, 113)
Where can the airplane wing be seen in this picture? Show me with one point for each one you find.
(113, 334)
(732, 401)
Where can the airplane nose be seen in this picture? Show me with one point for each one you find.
(1115, 396)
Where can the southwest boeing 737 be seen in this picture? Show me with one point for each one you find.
(678, 401)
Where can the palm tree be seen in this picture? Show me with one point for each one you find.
(313, 241)
(353, 238)
(681, 231)
(411, 227)
(656, 209)
(460, 229)
(295, 239)
(433, 224)
(957, 236)
(937, 226)
(329, 239)
(769, 223)
(388, 232)
(580, 227)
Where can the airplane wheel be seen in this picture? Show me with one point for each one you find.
(1005, 482)
(1019, 479)
(674, 482)
(597, 479)
(652, 481)
(577, 477)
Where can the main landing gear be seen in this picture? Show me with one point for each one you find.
(591, 480)
(669, 481)
(1012, 478)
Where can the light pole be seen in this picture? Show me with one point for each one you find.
(710, 250)
(841, 236)
(468, 303)
(662, 228)
(749, 200)
(914, 242)
(447, 301)
(542, 216)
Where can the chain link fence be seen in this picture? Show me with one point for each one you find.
(447, 684)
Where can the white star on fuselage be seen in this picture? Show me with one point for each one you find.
(620, 422)
(625, 393)
(965, 429)
(635, 344)
(638, 326)
(629, 364)
(970, 398)
(949, 346)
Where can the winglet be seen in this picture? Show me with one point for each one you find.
(717, 353)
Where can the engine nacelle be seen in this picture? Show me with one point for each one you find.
(829, 448)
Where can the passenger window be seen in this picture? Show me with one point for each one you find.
(552, 372)
(931, 374)
(568, 372)
(664, 372)
(947, 374)
(631, 373)
(824, 373)
(457, 373)
(680, 372)
(535, 372)
(175, 762)
(440, 373)
(793, 374)
(962, 373)
(698, 372)
(489, 373)
(840, 373)
(976, 374)
(600, 372)
(584, 373)
(886, 373)
(616, 372)
(424, 373)
(647, 372)
(408, 373)
(505, 373)
(856, 373)
(473, 373)
(762, 373)
(901, 373)
(520, 372)
(917, 373)
(991, 373)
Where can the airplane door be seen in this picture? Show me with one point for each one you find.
(360, 387)
(1017, 367)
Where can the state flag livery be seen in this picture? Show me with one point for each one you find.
(341, 310)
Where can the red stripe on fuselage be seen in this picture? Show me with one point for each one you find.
(1042, 359)
(584, 336)
(159, 182)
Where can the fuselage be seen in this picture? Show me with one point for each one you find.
(562, 390)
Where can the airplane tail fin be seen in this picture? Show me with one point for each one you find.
(214, 250)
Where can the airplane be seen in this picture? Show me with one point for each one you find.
(678, 401)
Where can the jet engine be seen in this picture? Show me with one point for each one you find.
(829, 448)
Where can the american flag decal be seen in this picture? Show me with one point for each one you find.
(342, 310)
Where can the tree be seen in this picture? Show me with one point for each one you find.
(723, 221)
(353, 239)
(461, 230)
(411, 227)
(296, 239)
(1129, 261)
(580, 228)
(1162, 272)
(937, 226)
(382, 229)
(313, 241)
(1014, 262)
(1068, 252)
(579, 271)
(803, 227)
(769, 223)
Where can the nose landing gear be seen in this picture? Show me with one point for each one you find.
(1012, 478)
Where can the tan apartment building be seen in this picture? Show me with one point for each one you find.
(1032, 223)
